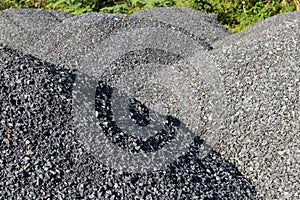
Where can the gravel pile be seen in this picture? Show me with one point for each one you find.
(197, 23)
(102, 39)
(21, 28)
(60, 44)
(148, 106)
(260, 70)
(42, 155)
(264, 28)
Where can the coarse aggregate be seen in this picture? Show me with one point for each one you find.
(42, 156)
(260, 70)
(238, 96)
(195, 22)
(21, 28)
(60, 44)
(262, 29)
(158, 86)
(122, 58)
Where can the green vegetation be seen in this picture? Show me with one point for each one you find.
(236, 15)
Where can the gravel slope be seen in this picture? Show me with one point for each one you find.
(43, 157)
(198, 23)
(234, 99)
(260, 69)
(21, 28)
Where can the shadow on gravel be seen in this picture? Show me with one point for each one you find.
(201, 171)
(41, 153)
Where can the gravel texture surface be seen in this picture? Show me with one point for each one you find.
(136, 34)
(260, 69)
(21, 28)
(60, 44)
(42, 156)
(195, 22)
(263, 28)
(159, 86)
(134, 108)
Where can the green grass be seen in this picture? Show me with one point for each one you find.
(236, 15)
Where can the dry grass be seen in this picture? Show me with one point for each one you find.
(297, 4)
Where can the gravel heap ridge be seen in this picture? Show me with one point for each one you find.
(195, 22)
(21, 28)
(162, 104)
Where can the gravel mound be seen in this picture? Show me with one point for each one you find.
(264, 28)
(147, 106)
(89, 18)
(136, 59)
(159, 86)
(60, 45)
(260, 70)
(21, 28)
(43, 157)
(203, 25)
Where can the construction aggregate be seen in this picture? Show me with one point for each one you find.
(148, 106)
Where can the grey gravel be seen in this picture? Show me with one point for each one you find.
(260, 70)
(90, 18)
(262, 29)
(203, 25)
(114, 29)
(43, 157)
(149, 77)
(60, 44)
(21, 28)
(242, 96)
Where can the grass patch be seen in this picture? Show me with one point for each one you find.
(236, 15)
